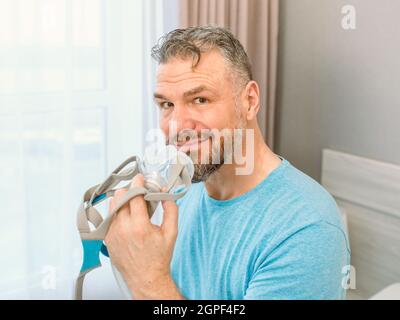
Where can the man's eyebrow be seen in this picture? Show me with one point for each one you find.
(186, 94)
(159, 96)
(194, 91)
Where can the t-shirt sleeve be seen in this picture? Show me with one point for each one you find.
(307, 264)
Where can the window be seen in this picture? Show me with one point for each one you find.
(75, 100)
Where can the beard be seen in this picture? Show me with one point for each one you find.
(202, 171)
(205, 168)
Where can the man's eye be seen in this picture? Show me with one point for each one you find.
(200, 100)
(166, 105)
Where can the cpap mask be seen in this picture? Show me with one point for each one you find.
(164, 167)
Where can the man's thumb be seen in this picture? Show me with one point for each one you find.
(170, 222)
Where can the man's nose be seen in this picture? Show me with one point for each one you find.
(183, 118)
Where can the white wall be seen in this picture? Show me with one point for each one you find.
(338, 89)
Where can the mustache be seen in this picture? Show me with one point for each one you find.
(189, 135)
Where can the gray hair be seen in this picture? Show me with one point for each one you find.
(192, 42)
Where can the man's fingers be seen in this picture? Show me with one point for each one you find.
(111, 205)
(138, 207)
(170, 223)
(121, 214)
(118, 195)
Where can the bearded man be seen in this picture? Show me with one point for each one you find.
(258, 229)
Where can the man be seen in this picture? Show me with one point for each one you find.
(273, 233)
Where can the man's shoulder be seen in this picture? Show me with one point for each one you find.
(300, 202)
(304, 196)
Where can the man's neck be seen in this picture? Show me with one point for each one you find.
(226, 184)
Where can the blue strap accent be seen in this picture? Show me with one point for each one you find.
(99, 198)
(104, 250)
(91, 254)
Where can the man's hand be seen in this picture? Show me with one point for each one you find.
(142, 251)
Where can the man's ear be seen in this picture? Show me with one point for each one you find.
(251, 96)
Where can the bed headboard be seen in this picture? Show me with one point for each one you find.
(368, 191)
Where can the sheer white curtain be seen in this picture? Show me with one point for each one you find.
(76, 79)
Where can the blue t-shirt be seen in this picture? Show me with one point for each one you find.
(284, 239)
